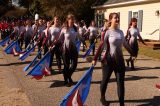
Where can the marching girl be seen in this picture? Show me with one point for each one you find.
(15, 31)
(82, 32)
(46, 38)
(55, 31)
(21, 34)
(69, 35)
(28, 33)
(131, 36)
(93, 33)
(38, 31)
(113, 41)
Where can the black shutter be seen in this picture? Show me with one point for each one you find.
(96, 18)
(119, 18)
(140, 20)
(129, 17)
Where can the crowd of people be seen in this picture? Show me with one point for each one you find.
(46, 32)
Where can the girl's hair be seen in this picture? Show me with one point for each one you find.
(52, 22)
(132, 20)
(111, 16)
(70, 16)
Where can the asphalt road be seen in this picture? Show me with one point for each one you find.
(139, 84)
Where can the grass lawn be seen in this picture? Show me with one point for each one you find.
(149, 52)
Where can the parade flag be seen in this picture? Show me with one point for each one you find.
(27, 53)
(78, 45)
(4, 41)
(158, 86)
(33, 62)
(88, 52)
(41, 68)
(78, 94)
(13, 48)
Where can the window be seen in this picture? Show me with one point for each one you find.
(100, 20)
(136, 14)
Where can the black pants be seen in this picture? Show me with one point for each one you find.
(27, 41)
(70, 58)
(39, 48)
(20, 42)
(106, 74)
(45, 49)
(91, 42)
(57, 52)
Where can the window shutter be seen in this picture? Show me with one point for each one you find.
(119, 19)
(129, 17)
(96, 18)
(140, 20)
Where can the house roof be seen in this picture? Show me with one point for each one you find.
(112, 3)
(116, 1)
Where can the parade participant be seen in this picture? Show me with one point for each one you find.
(21, 34)
(113, 41)
(82, 32)
(69, 35)
(40, 29)
(55, 32)
(46, 38)
(93, 33)
(84, 25)
(15, 32)
(104, 29)
(131, 37)
(28, 33)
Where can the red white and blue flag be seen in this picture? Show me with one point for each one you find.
(13, 48)
(158, 86)
(33, 63)
(41, 69)
(78, 94)
(27, 53)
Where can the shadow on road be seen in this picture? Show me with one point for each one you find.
(141, 68)
(155, 101)
(130, 78)
(58, 83)
(17, 63)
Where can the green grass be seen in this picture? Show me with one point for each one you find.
(149, 52)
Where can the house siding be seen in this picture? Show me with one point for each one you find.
(150, 21)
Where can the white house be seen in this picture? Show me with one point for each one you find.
(144, 10)
(15, 2)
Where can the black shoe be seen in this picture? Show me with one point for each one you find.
(104, 102)
(68, 84)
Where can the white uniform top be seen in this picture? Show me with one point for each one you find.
(69, 36)
(134, 33)
(21, 29)
(81, 31)
(93, 32)
(29, 31)
(54, 31)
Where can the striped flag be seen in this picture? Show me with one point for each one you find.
(26, 54)
(78, 94)
(88, 52)
(13, 48)
(41, 68)
(32, 63)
